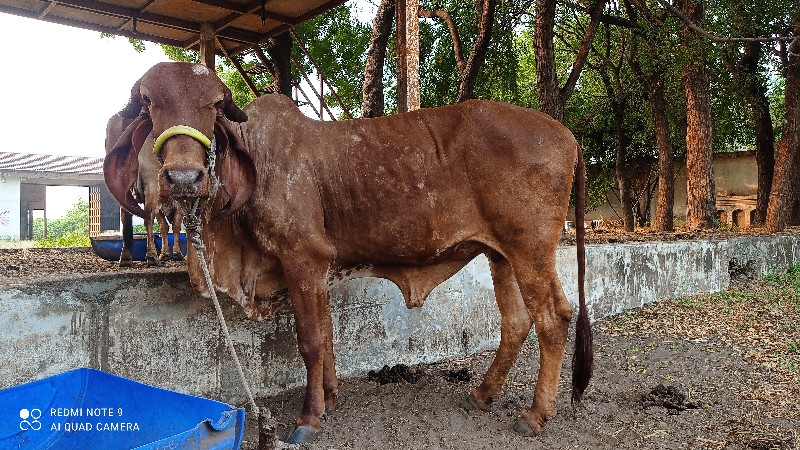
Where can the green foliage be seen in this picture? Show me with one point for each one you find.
(526, 69)
(137, 44)
(242, 95)
(777, 104)
(337, 41)
(142, 229)
(72, 238)
(733, 129)
(731, 115)
(498, 78)
(70, 231)
(180, 54)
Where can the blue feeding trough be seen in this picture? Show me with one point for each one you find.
(90, 409)
(170, 240)
(109, 246)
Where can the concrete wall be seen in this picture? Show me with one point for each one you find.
(153, 328)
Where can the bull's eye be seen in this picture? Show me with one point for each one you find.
(146, 100)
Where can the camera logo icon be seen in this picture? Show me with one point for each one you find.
(30, 419)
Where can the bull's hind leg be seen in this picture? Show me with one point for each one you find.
(515, 324)
(330, 384)
(551, 313)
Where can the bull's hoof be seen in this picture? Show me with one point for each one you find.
(177, 256)
(299, 435)
(152, 262)
(471, 404)
(525, 429)
(125, 263)
(331, 404)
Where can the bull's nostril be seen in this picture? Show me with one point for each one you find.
(184, 178)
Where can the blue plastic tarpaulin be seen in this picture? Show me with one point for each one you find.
(90, 409)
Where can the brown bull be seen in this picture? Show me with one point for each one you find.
(298, 204)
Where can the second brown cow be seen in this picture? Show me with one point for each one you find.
(290, 205)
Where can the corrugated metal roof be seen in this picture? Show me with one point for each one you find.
(239, 24)
(27, 162)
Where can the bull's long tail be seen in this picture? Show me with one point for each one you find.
(583, 358)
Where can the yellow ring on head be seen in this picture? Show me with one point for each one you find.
(180, 129)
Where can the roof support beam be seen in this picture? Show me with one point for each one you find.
(89, 26)
(46, 10)
(230, 33)
(207, 38)
(141, 10)
(248, 8)
(138, 19)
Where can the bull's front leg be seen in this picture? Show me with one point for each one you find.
(308, 292)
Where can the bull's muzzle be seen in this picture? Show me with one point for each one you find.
(185, 182)
(185, 165)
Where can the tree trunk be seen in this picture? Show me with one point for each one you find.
(373, 99)
(550, 101)
(744, 67)
(781, 197)
(623, 183)
(666, 166)
(279, 49)
(654, 83)
(765, 156)
(700, 190)
(472, 65)
(622, 142)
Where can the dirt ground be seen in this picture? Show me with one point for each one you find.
(732, 402)
(682, 374)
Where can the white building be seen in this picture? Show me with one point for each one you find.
(23, 182)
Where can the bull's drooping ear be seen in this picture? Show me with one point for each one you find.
(231, 110)
(121, 166)
(135, 102)
(237, 172)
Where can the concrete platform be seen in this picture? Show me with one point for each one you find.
(152, 327)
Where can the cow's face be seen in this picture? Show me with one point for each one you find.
(192, 97)
(186, 107)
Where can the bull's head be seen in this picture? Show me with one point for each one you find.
(187, 109)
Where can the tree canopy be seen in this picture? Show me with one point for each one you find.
(606, 59)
